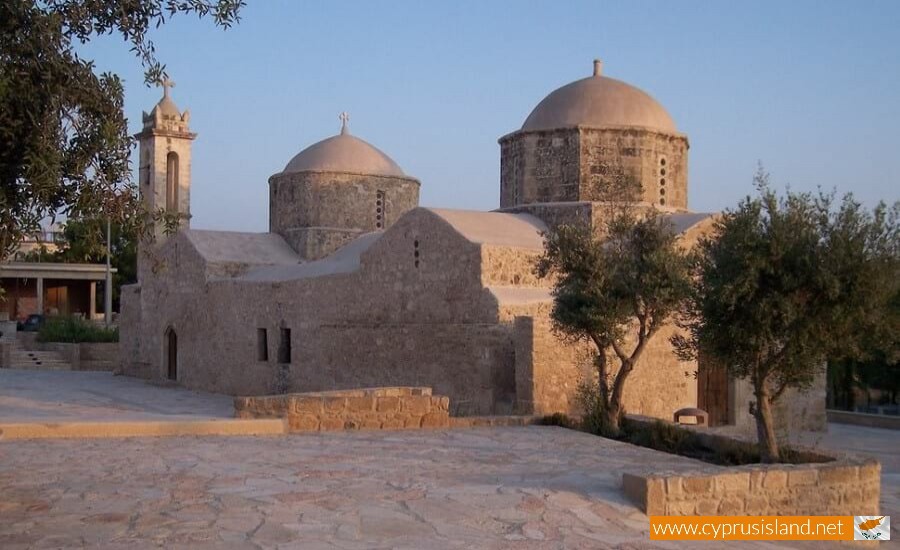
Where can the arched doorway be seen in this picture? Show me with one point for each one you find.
(171, 354)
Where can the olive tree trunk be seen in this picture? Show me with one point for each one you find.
(765, 427)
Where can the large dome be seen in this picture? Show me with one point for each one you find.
(344, 153)
(601, 102)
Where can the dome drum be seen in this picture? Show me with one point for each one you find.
(334, 191)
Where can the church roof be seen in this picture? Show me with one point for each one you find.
(241, 248)
(344, 260)
(495, 228)
(344, 153)
(601, 102)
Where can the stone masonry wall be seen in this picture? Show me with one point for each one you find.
(374, 408)
(549, 372)
(658, 161)
(539, 167)
(337, 205)
(401, 319)
(588, 164)
(839, 488)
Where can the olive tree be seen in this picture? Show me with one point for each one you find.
(784, 284)
(616, 291)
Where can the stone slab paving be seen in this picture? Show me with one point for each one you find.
(531, 488)
(44, 396)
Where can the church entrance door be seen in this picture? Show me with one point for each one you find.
(712, 392)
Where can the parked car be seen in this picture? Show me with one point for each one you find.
(31, 324)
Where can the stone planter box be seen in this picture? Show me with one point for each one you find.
(368, 408)
(826, 486)
(845, 487)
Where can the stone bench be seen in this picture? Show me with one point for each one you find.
(701, 416)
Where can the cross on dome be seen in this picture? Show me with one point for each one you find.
(345, 118)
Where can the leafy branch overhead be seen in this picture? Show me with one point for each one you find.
(64, 142)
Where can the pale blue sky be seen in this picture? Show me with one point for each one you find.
(811, 88)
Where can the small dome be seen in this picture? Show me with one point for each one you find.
(344, 153)
(167, 107)
(599, 101)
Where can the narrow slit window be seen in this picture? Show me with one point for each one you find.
(172, 182)
(379, 210)
(262, 344)
(284, 347)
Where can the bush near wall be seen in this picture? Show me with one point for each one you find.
(75, 330)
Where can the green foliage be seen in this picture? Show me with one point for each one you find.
(85, 242)
(616, 291)
(785, 284)
(64, 142)
(670, 438)
(74, 330)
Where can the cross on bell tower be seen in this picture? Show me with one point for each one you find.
(166, 83)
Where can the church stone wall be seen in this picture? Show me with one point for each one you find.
(612, 157)
(402, 319)
(539, 167)
(589, 164)
(505, 266)
(549, 372)
(317, 212)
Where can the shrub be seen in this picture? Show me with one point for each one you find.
(75, 330)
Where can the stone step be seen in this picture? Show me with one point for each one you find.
(21, 358)
(64, 428)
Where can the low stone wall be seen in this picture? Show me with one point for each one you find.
(863, 419)
(844, 487)
(96, 356)
(7, 330)
(368, 408)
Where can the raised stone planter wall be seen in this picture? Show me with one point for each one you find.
(844, 487)
(102, 356)
(371, 408)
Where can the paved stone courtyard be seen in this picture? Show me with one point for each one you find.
(535, 487)
(42, 396)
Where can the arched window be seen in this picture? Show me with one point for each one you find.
(172, 182)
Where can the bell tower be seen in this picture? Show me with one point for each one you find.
(165, 165)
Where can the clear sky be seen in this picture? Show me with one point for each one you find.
(810, 88)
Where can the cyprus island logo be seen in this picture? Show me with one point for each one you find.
(871, 527)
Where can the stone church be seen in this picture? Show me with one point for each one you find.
(355, 285)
